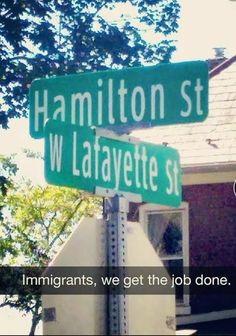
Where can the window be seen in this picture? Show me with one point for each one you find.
(167, 230)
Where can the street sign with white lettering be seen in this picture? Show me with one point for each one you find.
(130, 98)
(84, 158)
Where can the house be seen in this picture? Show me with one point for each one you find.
(204, 226)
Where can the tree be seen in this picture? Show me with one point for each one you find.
(8, 170)
(56, 37)
(37, 222)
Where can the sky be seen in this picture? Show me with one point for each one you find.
(204, 25)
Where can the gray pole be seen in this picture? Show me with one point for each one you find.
(115, 210)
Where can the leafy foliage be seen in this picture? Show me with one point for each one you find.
(37, 221)
(7, 170)
(43, 38)
(41, 218)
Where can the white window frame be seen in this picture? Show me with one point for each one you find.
(147, 209)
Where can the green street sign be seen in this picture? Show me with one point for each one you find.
(122, 99)
(86, 159)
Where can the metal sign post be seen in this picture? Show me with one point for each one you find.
(115, 212)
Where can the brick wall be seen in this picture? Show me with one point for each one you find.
(212, 237)
(212, 224)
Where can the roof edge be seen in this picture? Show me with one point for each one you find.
(222, 66)
(209, 168)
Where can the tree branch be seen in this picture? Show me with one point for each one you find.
(4, 304)
(99, 8)
(64, 226)
(26, 58)
(22, 57)
(36, 317)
